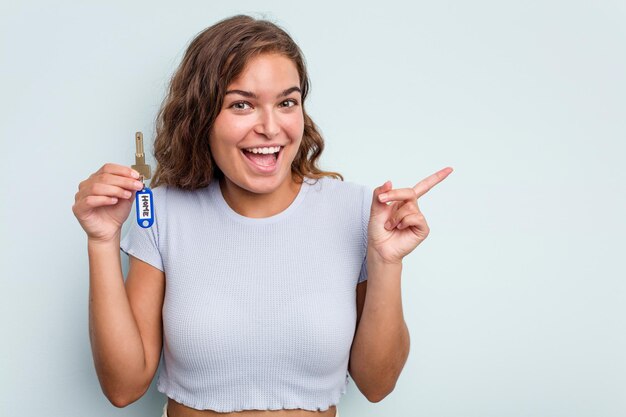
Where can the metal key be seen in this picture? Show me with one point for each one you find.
(140, 159)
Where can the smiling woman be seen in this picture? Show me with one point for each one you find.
(223, 75)
(252, 281)
(254, 141)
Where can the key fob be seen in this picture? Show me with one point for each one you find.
(145, 207)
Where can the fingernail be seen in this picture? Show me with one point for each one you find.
(135, 174)
(383, 197)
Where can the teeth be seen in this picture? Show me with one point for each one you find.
(264, 150)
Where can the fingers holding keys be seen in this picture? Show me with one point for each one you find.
(104, 200)
(109, 185)
(117, 169)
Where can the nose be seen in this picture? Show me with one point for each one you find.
(267, 125)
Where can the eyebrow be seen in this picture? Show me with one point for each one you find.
(250, 94)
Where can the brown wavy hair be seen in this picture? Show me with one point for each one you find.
(215, 58)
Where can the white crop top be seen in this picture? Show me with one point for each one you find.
(259, 314)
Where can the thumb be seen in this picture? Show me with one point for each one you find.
(377, 206)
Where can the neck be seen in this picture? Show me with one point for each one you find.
(254, 205)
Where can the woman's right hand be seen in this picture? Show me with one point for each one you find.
(104, 200)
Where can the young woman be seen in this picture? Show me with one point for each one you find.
(252, 281)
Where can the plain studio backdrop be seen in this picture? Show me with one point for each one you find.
(516, 302)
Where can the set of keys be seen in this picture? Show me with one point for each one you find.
(144, 203)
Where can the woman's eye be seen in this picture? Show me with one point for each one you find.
(289, 103)
(240, 105)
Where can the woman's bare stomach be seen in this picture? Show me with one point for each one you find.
(175, 409)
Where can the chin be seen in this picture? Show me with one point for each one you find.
(265, 185)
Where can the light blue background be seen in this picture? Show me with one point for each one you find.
(516, 301)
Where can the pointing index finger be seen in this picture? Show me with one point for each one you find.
(427, 183)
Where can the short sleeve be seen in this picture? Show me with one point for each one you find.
(366, 204)
(143, 243)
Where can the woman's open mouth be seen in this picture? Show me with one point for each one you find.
(264, 159)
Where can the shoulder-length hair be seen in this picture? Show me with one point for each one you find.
(215, 58)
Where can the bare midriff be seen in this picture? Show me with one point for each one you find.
(175, 409)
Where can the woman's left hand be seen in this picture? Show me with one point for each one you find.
(396, 224)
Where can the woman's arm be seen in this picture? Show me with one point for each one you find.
(124, 323)
(125, 327)
(381, 343)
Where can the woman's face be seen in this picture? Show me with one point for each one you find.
(258, 131)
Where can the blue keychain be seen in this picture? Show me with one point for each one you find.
(144, 203)
(145, 207)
